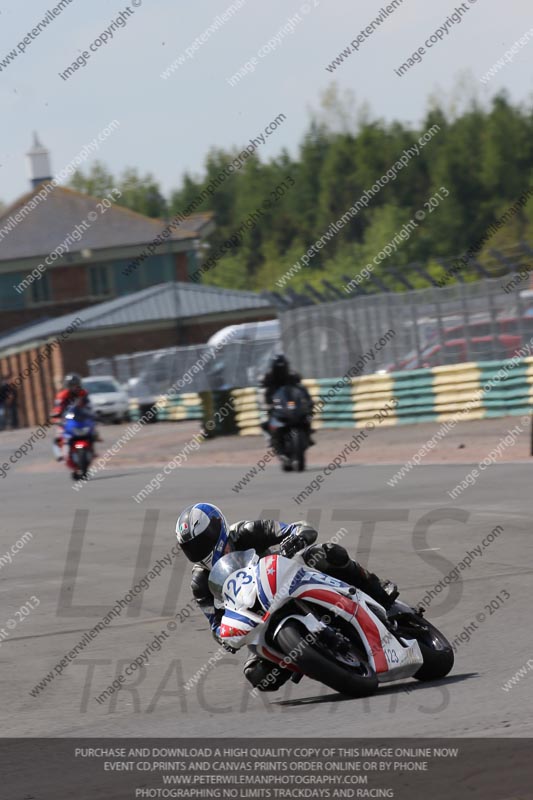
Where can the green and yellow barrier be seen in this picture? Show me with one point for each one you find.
(473, 390)
(172, 408)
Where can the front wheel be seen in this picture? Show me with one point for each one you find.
(350, 676)
(434, 646)
(82, 461)
(299, 443)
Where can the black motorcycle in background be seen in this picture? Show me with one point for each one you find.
(289, 426)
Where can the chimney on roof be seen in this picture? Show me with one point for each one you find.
(39, 162)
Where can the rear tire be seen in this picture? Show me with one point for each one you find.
(311, 659)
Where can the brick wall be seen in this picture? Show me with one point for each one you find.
(67, 282)
(37, 389)
(182, 272)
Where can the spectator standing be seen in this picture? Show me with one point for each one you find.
(4, 389)
(12, 412)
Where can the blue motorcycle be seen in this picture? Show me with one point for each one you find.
(79, 434)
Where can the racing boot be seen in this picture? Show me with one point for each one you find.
(264, 675)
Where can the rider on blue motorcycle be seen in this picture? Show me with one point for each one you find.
(205, 536)
(71, 394)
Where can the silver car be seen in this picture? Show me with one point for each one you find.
(108, 401)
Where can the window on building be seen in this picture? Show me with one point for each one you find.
(99, 283)
(157, 269)
(125, 279)
(40, 289)
(9, 296)
(194, 259)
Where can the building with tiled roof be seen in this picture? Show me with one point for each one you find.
(82, 279)
(61, 250)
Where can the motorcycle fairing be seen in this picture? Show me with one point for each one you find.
(235, 625)
(278, 578)
(386, 654)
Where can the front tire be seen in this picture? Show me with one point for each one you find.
(312, 658)
(435, 648)
(298, 448)
(83, 463)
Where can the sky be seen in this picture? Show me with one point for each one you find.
(166, 126)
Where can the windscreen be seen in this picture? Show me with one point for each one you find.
(225, 566)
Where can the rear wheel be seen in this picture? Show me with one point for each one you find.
(348, 674)
(434, 646)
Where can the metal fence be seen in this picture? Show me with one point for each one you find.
(482, 321)
(194, 369)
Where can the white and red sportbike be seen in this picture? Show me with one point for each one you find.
(321, 627)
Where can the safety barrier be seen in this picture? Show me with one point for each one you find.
(171, 408)
(248, 408)
(472, 390)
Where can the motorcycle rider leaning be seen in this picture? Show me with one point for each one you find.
(204, 537)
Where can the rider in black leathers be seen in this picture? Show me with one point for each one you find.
(204, 536)
(279, 375)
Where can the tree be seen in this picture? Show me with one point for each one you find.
(141, 194)
(269, 213)
(138, 194)
(97, 182)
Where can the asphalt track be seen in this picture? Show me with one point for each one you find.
(413, 533)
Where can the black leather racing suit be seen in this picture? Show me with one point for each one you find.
(273, 381)
(332, 559)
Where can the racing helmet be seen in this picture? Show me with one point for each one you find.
(280, 361)
(72, 380)
(280, 366)
(202, 533)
